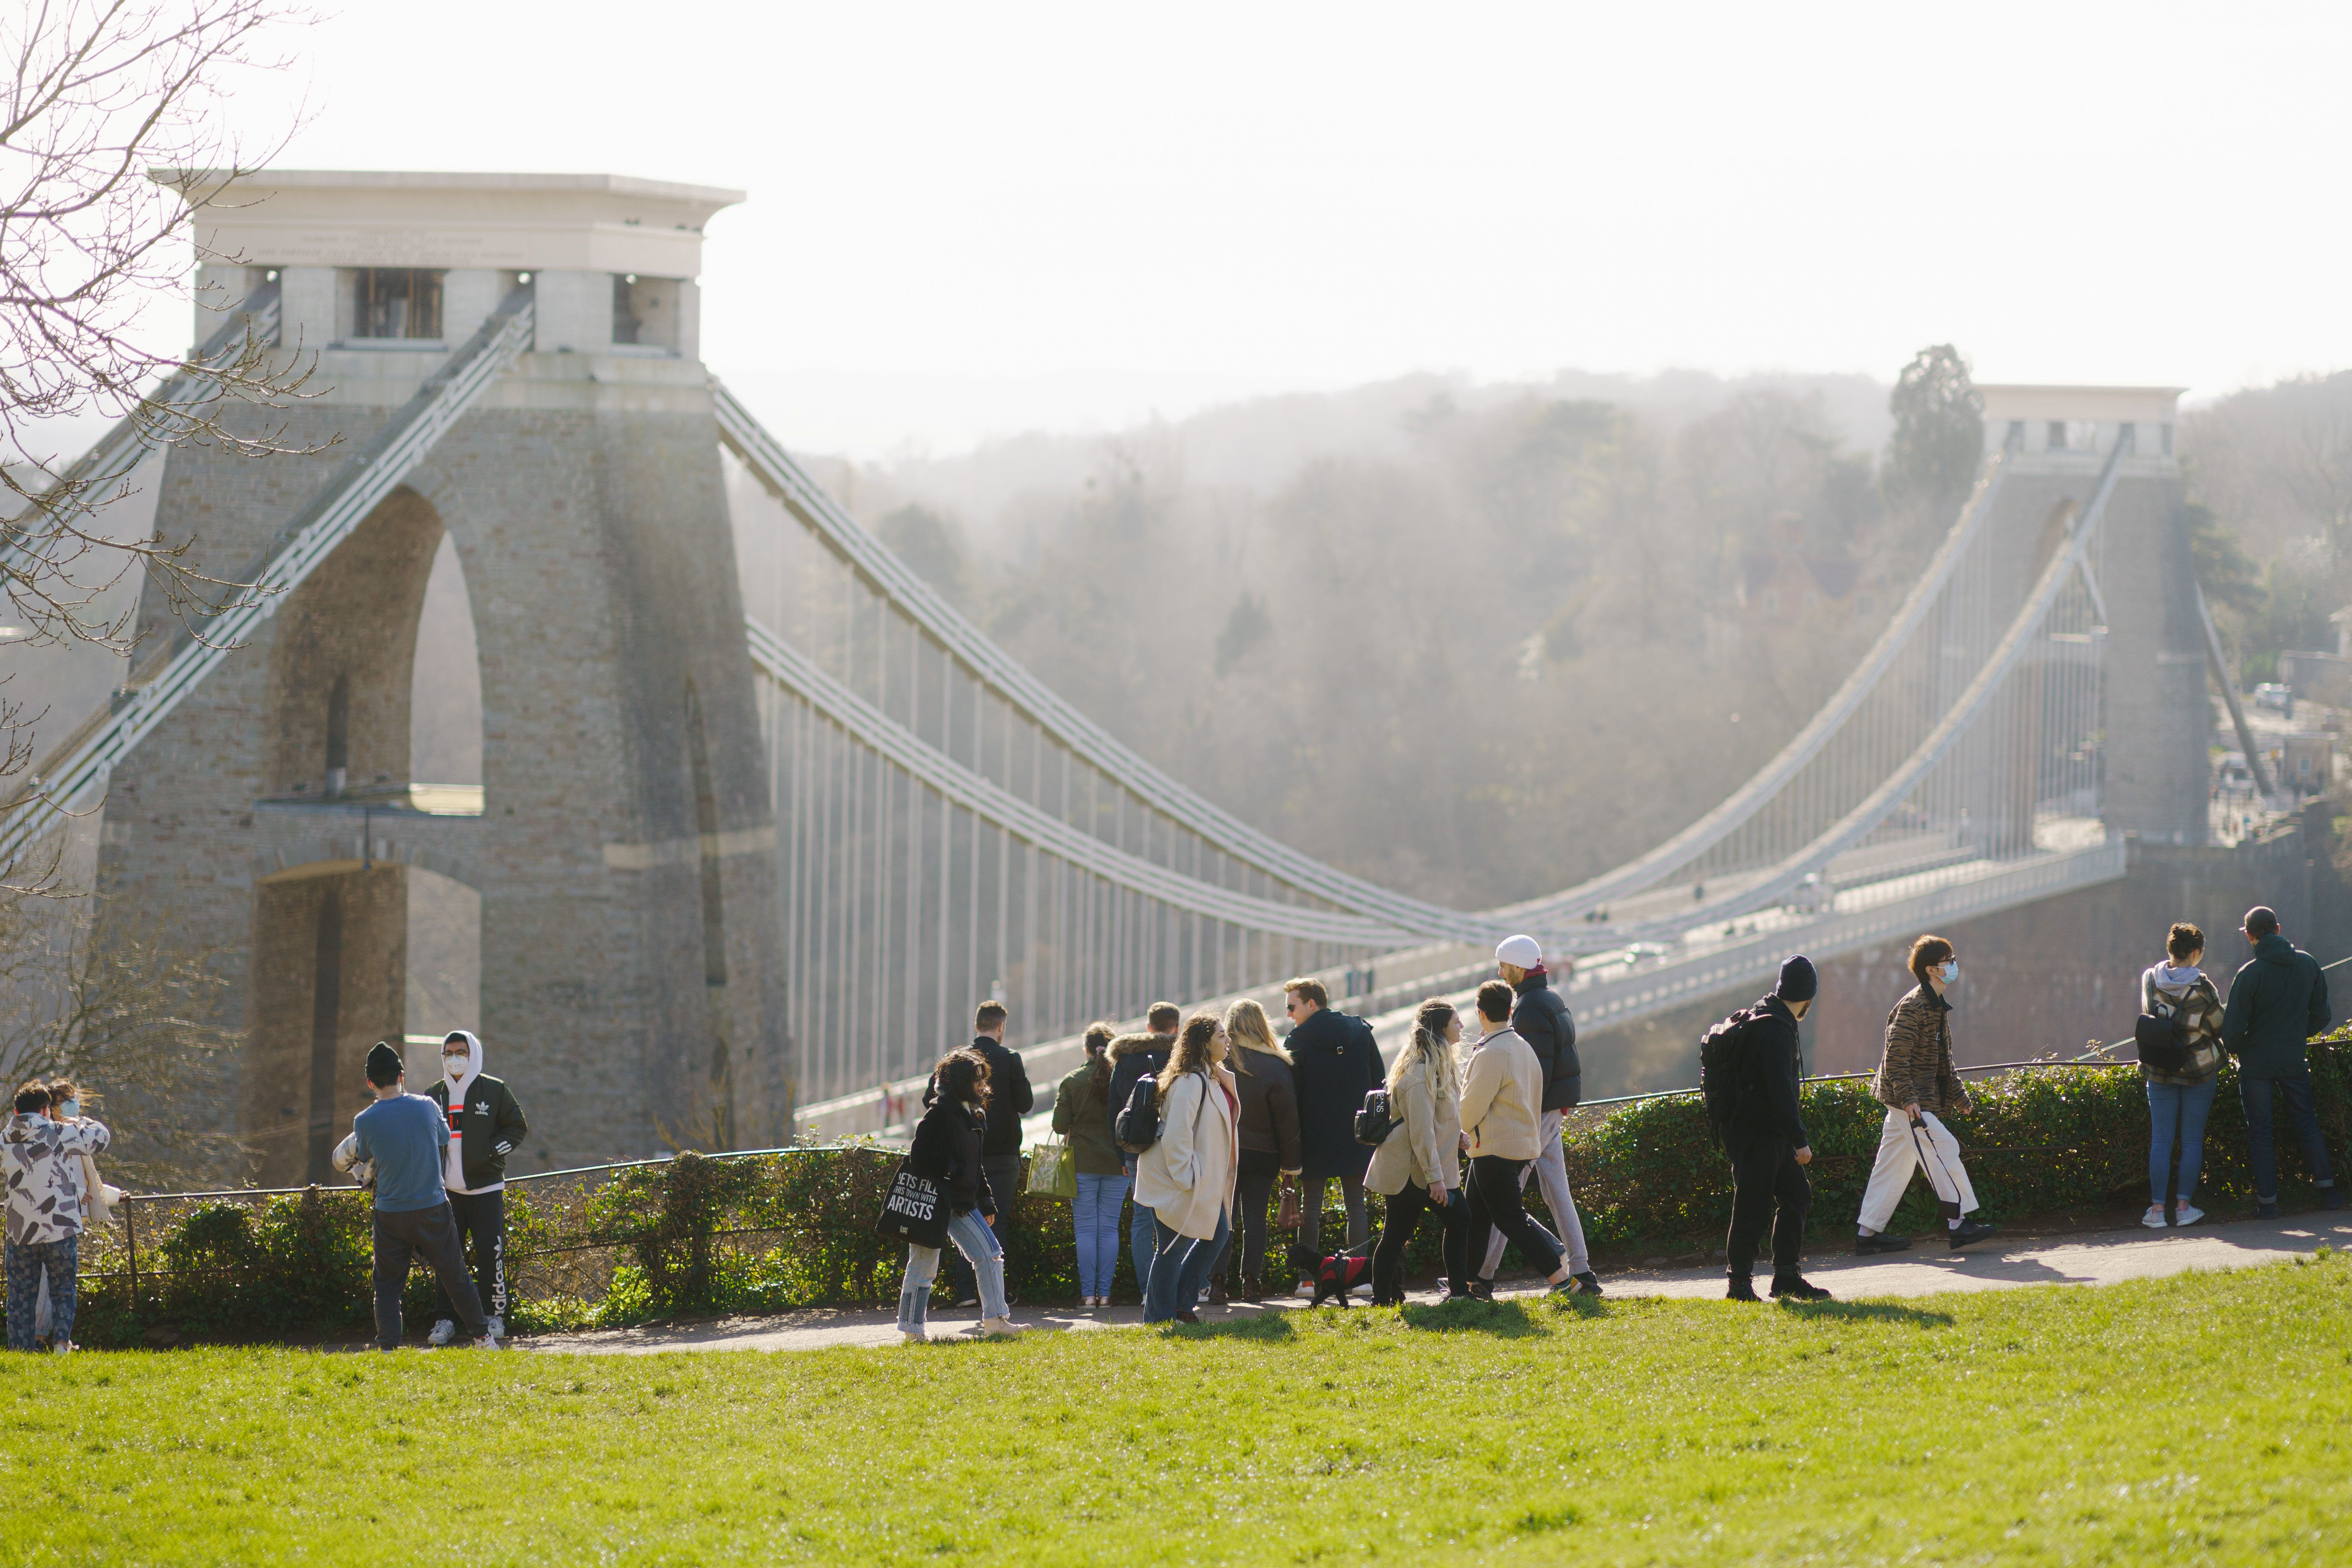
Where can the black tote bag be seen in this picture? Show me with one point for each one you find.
(916, 1209)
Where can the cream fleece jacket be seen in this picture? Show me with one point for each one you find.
(1501, 1095)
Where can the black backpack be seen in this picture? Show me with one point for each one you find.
(1377, 1119)
(2161, 1032)
(1137, 1127)
(1721, 1080)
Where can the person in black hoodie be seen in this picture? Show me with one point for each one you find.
(946, 1147)
(1540, 1016)
(1010, 1098)
(1767, 1143)
(1133, 1058)
(1335, 1062)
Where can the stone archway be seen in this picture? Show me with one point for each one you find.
(330, 928)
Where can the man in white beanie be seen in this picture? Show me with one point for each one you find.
(1541, 1018)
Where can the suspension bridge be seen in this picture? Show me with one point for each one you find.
(763, 815)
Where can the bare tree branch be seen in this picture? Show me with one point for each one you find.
(100, 93)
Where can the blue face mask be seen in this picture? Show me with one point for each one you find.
(1950, 972)
(68, 1108)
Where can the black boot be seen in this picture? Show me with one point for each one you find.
(1250, 1291)
(1743, 1289)
(1796, 1288)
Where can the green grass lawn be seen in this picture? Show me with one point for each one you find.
(2202, 1418)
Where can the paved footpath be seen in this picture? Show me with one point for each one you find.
(2000, 1264)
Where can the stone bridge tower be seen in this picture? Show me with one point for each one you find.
(613, 859)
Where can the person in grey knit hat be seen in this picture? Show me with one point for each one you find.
(1765, 1136)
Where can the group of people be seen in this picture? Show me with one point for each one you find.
(436, 1163)
(1207, 1129)
(1212, 1129)
(2277, 1002)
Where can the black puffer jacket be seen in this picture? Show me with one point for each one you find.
(1541, 1018)
(947, 1146)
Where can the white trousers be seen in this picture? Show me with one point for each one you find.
(1903, 1148)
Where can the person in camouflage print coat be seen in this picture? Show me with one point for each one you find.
(42, 1159)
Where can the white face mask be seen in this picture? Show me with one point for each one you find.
(454, 1066)
(68, 1108)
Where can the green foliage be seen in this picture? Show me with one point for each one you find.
(771, 1233)
(2224, 571)
(2291, 612)
(1931, 459)
(2194, 1419)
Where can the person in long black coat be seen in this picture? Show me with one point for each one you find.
(1335, 1062)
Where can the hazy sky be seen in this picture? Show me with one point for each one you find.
(971, 220)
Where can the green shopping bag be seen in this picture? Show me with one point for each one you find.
(1053, 1174)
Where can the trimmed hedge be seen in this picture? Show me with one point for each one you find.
(768, 1232)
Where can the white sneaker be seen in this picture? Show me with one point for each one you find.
(2185, 1213)
(498, 1327)
(443, 1333)
(913, 1337)
(62, 1347)
(999, 1329)
(1363, 1290)
(2154, 1218)
(1305, 1288)
(489, 1342)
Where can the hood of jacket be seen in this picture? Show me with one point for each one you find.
(20, 1126)
(1131, 1045)
(473, 1064)
(2274, 949)
(2174, 979)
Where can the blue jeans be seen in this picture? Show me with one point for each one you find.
(27, 1262)
(1142, 1237)
(1179, 1270)
(2260, 1093)
(977, 1242)
(1094, 1217)
(2186, 1104)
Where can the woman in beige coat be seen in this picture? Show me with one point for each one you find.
(1186, 1178)
(1418, 1169)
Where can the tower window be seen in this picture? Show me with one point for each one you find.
(2057, 435)
(396, 302)
(624, 309)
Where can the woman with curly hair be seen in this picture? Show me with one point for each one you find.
(947, 1150)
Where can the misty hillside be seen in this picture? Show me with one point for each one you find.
(1481, 642)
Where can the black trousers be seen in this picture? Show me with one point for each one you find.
(1310, 1212)
(1404, 1214)
(1494, 1187)
(1765, 1176)
(1252, 1197)
(403, 1235)
(1004, 1185)
(481, 1227)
